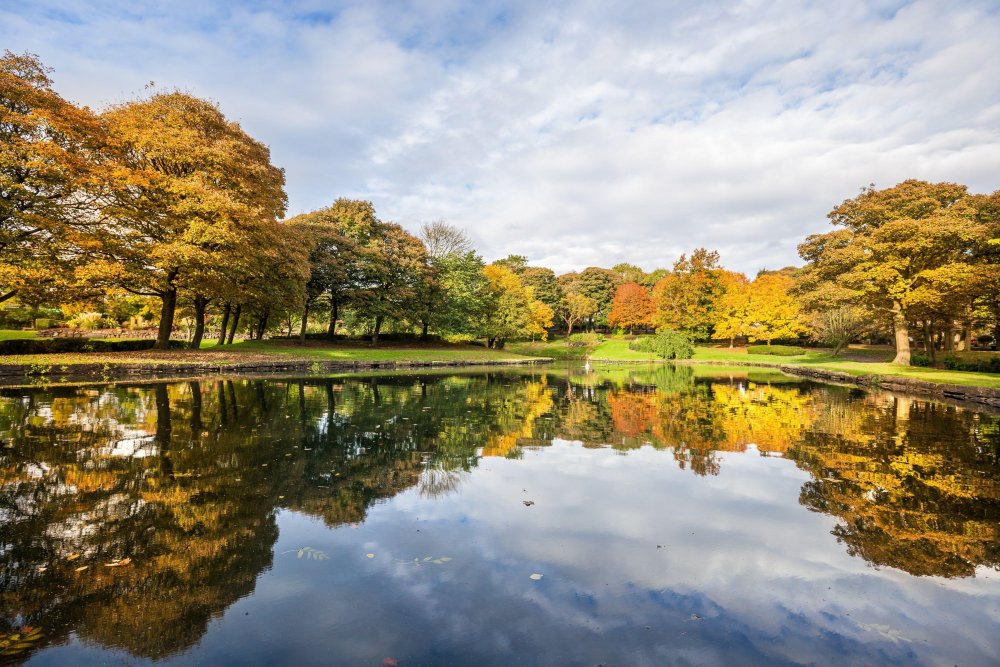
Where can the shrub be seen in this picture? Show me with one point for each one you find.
(667, 344)
(586, 339)
(920, 360)
(776, 350)
(989, 364)
(86, 321)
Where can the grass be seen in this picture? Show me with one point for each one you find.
(361, 352)
(12, 334)
(855, 361)
(225, 355)
(554, 348)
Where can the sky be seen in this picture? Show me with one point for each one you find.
(574, 133)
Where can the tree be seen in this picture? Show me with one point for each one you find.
(685, 298)
(576, 308)
(596, 283)
(192, 190)
(544, 284)
(629, 273)
(51, 157)
(510, 308)
(839, 326)
(895, 250)
(732, 311)
(666, 344)
(392, 269)
(631, 307)
(774, 313)
(442, 239)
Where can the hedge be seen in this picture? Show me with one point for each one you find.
(54, 345)
(776, 350)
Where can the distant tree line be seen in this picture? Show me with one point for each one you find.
(159, 210)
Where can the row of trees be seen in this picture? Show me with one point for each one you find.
(163, 204)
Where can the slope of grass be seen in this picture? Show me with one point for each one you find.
(554, 348)
(12, 334)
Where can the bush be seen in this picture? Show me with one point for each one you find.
(667, 344)
(920, 360)
(989, 364)
(586, 339)
(776, 350)
(54, 345)
(86, 321)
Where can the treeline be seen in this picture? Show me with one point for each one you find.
(160, 209)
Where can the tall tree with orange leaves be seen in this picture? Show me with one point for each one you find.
(631, 307)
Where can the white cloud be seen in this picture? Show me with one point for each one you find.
(575, 134)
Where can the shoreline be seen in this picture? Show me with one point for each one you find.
(19, 375)
(989, 396)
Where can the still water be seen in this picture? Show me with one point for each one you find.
(538, 517)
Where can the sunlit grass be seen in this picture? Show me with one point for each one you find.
(15, 334)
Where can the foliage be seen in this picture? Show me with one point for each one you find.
(776, 350)
(906, 251)
(774, 312)
(597, 284)
(576, 308)
(666, 344)
(842, 325)
(631, 307)
(585, 339)
(990, 364)
(684, 299)
(74, 344)
(511, 311)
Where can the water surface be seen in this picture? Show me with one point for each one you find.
(673, 519)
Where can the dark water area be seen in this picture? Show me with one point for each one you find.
(629, 516)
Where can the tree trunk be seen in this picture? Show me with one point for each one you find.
(902, 335)
(967, 337)
(262, 325)
(569, 330)
(732, 339)
(423, 331)
(949, 337)
(163, 427)
(225, 322)
(236, 324)
(331, 331)
(378, 325)
(200, 303)
(169, 298)
(305, 320)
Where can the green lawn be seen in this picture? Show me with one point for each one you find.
(854, 362)
(11, 334)
(363, 352)
(554, 348)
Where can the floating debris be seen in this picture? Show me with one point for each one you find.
(535, 576)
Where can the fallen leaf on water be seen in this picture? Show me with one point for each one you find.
(535, 577)
(81, 569)
(72, 556)
(389, 662)
(369, 555)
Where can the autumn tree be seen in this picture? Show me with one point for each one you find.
(774, 313)
(685, 298)
(51, 180)
(193, 190)
(452, 300)
(732, 311)
(898, 250)
(576, 308)
(631, 307)
(544, 283)
(841, 325)
(510, 308)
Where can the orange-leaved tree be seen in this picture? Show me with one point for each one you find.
(631, 307)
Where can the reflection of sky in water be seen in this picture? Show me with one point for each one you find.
(743, 574)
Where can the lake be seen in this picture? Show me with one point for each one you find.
(542, 516)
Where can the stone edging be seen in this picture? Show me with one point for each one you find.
(20, 374)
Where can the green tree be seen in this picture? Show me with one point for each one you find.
(685, 298)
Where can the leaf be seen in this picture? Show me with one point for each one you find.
(81, 569)
(535, 576)
(445, 558)
(369, 555)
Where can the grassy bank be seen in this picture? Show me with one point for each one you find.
(264, 351)
(855, 361)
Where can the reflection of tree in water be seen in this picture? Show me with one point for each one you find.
(915, 484)
(184, 480)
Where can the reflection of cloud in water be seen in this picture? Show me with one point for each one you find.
(759, 568)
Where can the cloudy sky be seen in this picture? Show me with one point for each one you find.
(576, 134)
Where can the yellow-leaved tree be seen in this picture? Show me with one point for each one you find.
(774, 313)
(511, 309)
